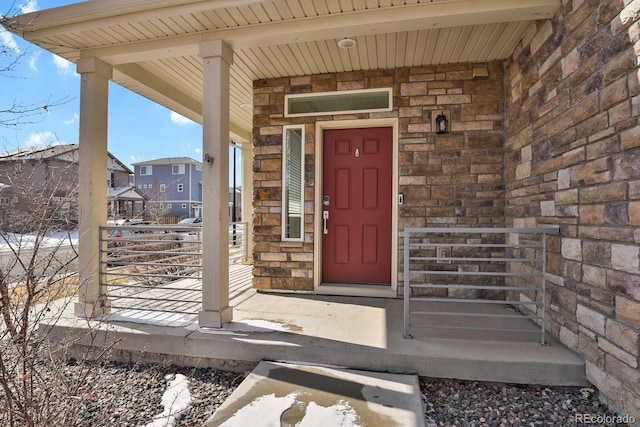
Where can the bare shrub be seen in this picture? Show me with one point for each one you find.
(38, 273)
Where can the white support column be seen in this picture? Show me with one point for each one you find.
(92, 188)
(217, 57)
(247, 196)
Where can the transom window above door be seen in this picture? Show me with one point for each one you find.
(348, 101)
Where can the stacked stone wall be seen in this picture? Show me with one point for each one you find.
(453, 179)
(573, 159)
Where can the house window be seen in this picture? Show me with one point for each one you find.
(140, 186)
(177, 169)
(17, 167)
(293, 183)
(4, 201)
(150, 186)
(145, 186)
(163, 188)
(184, 206)
(146, 170)
(342, 102)
(168, 205)
(180, 187)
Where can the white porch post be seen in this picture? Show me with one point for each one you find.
(217, 57)
(92, 188)
(247, 196)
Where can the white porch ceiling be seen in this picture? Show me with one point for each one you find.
(153, 44)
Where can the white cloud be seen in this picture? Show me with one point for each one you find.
(71, 121)
(30, 6)
(41, 139)
(63, 66)
(33, 61)
(198, 151)
(8, 41)
(179, 119)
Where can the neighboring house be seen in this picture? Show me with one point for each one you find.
(173, 186)
(235, 204)
(44, 180)
(541, 99)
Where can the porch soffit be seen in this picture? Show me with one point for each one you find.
(153, 44)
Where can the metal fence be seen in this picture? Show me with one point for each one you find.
(446, 269)
(158, 267)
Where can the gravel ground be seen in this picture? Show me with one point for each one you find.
(471, 403)
(130, 395)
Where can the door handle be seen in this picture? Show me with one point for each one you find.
(325, 217)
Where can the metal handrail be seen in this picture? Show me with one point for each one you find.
(443, 265)
(136, 259)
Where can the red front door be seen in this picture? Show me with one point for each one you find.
(357, 179)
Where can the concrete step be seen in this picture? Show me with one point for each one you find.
(293, 394)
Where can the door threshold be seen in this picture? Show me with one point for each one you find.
(356, 290)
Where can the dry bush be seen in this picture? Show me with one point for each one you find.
(37, 274)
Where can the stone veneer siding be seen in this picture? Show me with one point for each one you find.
(573, 159)
(447, 180)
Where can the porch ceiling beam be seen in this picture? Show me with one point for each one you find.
(170, 96)
(371, 21)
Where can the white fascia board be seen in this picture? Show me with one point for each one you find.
(88, 14)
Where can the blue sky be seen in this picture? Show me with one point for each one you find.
(139, 129)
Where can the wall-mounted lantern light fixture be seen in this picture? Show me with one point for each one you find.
(442, 124)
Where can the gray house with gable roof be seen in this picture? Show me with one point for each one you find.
(173, 186)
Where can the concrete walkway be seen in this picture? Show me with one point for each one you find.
(278, 394)
(353, 332)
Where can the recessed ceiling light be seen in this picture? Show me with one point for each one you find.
(346, 43)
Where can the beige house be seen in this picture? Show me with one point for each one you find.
(482, 113)
(30, 176)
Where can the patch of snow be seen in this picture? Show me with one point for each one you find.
(176, 400)
(158, 318)
(255, 325)
(25, 241)
(339, 415)
(267, 409)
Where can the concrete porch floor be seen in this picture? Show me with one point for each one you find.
(353, 332)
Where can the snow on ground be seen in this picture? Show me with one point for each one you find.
(53, 239)
(269, 408)
(176, 400)
(339, 415)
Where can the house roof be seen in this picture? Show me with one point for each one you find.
(39, 153)
(169, 161)
(129, 193)
(153, 44)
(65, 152)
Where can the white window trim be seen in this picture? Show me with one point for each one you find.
(284, 172)
(163, 188)
(181, 169)
(180, 188)
(338, 93)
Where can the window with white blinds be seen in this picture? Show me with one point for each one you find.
(293, 183)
